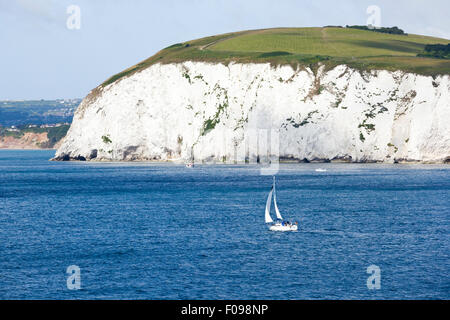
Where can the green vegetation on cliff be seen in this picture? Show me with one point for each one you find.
(389, 49)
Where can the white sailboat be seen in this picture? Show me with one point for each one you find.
(280, 225)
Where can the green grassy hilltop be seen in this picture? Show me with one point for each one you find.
(361, 49)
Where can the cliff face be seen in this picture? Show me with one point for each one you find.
(29, 140)
(211, 111)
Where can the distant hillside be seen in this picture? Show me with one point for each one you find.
(35, 124)
(37, 112)
(32, 136)
(360, 49)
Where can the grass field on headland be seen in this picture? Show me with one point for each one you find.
(361, 49)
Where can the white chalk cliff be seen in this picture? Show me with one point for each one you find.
(206, 111)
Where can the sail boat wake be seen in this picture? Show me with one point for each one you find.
(280, 225)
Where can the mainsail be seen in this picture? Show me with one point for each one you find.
(268, 203)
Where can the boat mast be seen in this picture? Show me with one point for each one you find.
(279, 217)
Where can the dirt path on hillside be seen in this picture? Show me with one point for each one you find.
(326, 40)
(230, 37)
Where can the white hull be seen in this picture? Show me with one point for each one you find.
(279, 227)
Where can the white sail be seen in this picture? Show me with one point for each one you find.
(275, 205)
(269, 202)
(275, 201)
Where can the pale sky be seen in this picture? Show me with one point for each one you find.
(40, 58)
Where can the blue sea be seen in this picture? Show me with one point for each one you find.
(163, 231)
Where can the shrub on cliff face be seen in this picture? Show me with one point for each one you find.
(361, 137)
(106, 139)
